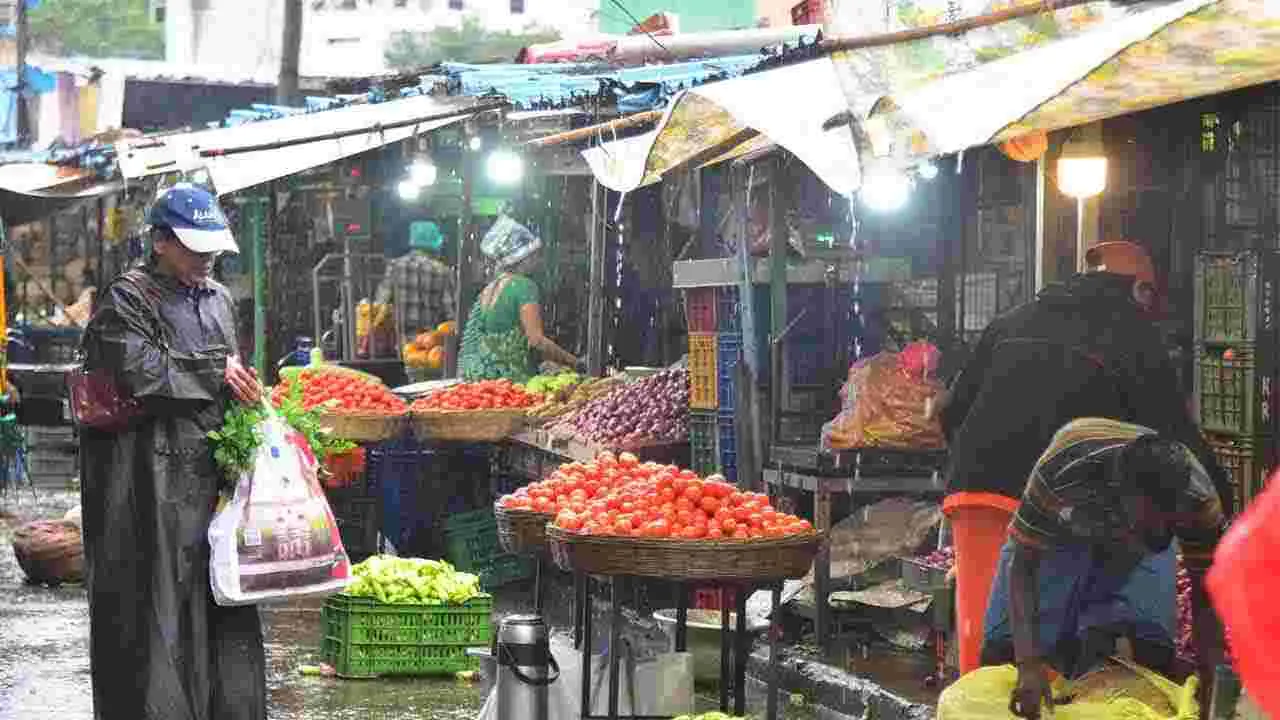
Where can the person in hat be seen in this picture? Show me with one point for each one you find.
(1079, 569)
(1083, 348)
(418, 284)
(165, 334)
(504, 329)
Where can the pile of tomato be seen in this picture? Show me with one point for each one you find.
(624, 497)
(341, 392)
(484, 395)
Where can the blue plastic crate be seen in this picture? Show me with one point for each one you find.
(728, 433)
(727, 444)
(728, 319)
(728, 348)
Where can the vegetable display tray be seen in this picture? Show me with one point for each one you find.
(467, 425)
(364, 638)
(363, 427)
(523, 532)
(723, 560)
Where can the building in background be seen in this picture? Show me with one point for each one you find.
(780, 13)
(694, 15)
(344, 38)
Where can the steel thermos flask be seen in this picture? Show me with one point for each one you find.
(525, 668)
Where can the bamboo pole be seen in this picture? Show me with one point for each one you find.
(586, 133)
(957, 27)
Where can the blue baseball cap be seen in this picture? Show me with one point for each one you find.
(192, 213)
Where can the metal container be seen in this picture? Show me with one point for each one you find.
(525, 668)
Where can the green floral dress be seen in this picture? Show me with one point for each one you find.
(493, 342)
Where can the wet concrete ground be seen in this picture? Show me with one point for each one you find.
(44, 652)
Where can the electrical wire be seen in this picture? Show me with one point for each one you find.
(636, 22)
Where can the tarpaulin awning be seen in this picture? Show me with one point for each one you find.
(947, 91)
(31, 191)
(788, 105)
(1153, 54)
(253, 153)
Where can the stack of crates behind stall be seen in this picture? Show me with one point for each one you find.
(716, 348)
(714, 342)
(1236, 364)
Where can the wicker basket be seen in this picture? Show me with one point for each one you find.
(743, 560)
(523, 532)
(467, 425)
(361, 427)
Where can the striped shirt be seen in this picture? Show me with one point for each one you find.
(1074, 497)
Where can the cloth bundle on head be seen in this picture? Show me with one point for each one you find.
(508, 242)
(425, 235)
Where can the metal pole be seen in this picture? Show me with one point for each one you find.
(4, 310)
(257, 209)
(1080, 241)
(595, 288)
(462, 271)
(22, 40)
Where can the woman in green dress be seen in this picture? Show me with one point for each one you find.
(504, 328)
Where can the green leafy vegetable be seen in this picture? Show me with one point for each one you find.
(236, 444)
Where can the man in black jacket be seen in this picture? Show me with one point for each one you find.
(1085, 348)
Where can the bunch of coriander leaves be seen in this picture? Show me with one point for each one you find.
(236, 445)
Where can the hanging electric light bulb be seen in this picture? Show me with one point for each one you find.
(408, 190)
(1082, 167)
(885, 189)
(423, 172)
(504, 167)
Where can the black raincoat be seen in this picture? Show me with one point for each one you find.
(1080, 349)
(160, 648)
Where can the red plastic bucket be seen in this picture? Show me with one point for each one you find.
(1243, 584)
(979, 526)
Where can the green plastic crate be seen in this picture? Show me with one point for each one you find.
(365, 638)
(471, 545)
(702, 442)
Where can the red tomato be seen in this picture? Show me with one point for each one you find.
(710, 505)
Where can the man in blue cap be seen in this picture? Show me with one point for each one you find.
(165, 335)
(418, 284)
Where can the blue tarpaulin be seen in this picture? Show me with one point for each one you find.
(528, 87)
(38, 81)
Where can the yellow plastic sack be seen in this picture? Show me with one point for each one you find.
(1120, 691)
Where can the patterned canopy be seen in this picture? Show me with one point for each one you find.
(946, 93)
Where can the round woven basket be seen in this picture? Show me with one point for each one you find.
(523, 532)
(361, 427)
(467, 425)
(772, 559)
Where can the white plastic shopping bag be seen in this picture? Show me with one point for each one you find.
(276, 537)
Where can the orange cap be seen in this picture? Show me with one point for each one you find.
(1122, 258)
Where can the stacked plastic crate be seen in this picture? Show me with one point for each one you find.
(1235, 363)
(714, 344)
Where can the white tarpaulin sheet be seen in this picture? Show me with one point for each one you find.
(788, 105)
(236, 171)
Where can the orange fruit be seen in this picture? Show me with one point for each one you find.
(435, 358)
(448, 327)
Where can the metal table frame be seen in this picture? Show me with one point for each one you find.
(826, 474)
(735, 670)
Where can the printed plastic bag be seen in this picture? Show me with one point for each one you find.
(1119, 691)
(276, 537)
(886, 403)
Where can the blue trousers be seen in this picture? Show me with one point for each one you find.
(1076, 594)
